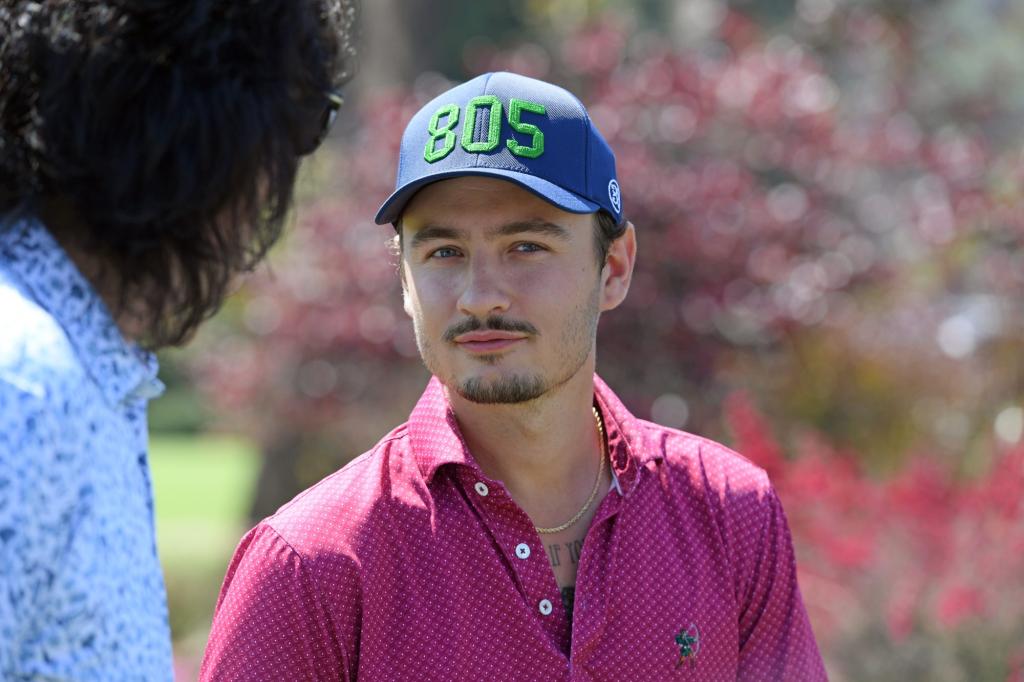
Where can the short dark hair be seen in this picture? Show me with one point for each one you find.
(170, 129)
(606, 230)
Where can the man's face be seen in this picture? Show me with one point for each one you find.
(502, 287)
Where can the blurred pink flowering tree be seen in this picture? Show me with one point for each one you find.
(830, 224)
(918, 577)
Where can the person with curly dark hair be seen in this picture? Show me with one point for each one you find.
(148, 154)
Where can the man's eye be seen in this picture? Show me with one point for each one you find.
(528, 247)
(444, 252)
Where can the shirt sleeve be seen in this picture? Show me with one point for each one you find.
(270, 623)
(26, 528)
(776, 640)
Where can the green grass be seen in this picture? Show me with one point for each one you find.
(203, 485)
(204, 477)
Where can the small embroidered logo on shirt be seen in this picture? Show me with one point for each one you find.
(688, 641)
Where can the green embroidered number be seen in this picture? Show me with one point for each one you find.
(515, 109)
(431, 153)
(493, 124)
(446, 133)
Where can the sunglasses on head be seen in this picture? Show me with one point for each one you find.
(333, 102)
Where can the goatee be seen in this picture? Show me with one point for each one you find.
(515, 389)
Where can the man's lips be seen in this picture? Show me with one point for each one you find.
(487, 340)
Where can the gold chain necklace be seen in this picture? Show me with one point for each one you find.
(597, 483)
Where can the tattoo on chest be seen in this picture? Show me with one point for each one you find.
(570, 551)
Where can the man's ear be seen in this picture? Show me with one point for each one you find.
(618, 269)
(395, 246)
(406, 300)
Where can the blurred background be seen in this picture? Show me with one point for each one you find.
(828, 201)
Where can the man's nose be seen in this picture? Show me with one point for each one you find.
(484, 293)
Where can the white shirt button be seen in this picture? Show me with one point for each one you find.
(544, 607)
(523, 550)
(481, 489)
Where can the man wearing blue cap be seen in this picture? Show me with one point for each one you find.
(522, 525)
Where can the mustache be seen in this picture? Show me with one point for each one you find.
(492, 323)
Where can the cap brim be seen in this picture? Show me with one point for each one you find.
(391, 210)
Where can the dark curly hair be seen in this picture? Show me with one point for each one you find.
(168, 131)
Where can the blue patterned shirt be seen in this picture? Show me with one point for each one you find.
(81, 589)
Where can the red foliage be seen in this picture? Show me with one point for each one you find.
(751, 434)
(922, 552)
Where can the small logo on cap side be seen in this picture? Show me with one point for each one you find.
(614, 195)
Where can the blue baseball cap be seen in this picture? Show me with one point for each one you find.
(508, 126)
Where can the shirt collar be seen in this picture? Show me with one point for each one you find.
(436, 440)
(434, 432)
(627, 445)
(122, 370)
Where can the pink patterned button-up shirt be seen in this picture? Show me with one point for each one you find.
(407, 565)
